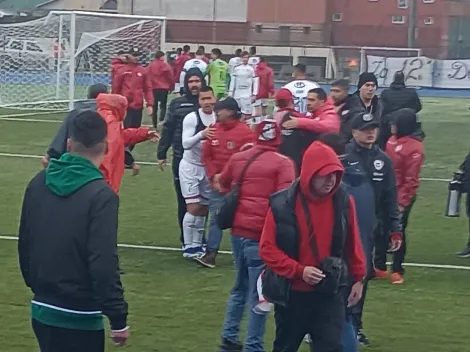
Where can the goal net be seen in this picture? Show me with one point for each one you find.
(49, 63)
(351, 61)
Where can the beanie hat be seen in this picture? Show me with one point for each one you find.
(366, 77)
(405, 121)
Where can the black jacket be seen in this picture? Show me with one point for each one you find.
(276, 289)
(349, 108)
(173, 125)
(398, 96)
(379, 168)
(58, 145)
(68, 249)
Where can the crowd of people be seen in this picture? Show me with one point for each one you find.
(315, 195)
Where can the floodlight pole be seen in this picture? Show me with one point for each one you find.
(412, 24)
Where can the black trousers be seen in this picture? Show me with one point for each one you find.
(133, 120)
(179, 196)
(399, 256)
(381, 240)
(53, 339)
(160, 97)
(323, 317)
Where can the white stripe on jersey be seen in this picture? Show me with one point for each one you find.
(299, 89)
(192, 141)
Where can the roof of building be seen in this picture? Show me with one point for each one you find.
(20, 4)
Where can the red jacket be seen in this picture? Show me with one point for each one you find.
(161, 75)
(230, 138)
(116, 64)
(407, 154)
(266, 81)
(132, 82)
(317, 159)
(178, 66)
(323, 120)
(112, 108)
(268, 173)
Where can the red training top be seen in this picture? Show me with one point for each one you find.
(161, 75)
(266, 81)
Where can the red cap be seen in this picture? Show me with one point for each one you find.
(284, 94)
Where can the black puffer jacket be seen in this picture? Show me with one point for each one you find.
(398, 96)
(177, 111)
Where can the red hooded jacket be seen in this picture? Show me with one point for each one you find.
(116, 65)
(407, 154)
(323, 120)
(112, 108)
(268, 173)
(319, 159)
(230, 138)
(161, 75)
(178, 66)
(132, 82)
(266, 81)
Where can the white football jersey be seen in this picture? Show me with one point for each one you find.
(193, 63)
(299, 89)
(192, 141)
(244, 82)
(234, 62)
(254, 61)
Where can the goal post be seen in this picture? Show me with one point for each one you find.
(48, 64)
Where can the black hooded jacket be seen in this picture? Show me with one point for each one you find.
(177, 111)
(398, 96)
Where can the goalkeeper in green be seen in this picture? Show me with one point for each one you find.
(218, 71)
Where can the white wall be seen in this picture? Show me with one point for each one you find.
(86, 5)
(202, 10)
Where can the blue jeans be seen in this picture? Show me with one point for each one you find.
(214, 236)
(349, 337)
(249, 267)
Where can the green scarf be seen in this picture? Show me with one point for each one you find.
(68, 174)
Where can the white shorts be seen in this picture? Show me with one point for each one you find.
(195, 186)
(246, 106)
(262, 102)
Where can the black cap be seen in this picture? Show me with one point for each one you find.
(227, 103)
(97, 89)
(135, 52)
(364, 121)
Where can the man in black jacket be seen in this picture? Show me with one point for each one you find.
(364, 154)
(172, 130)
(399, 96)
(68, 246)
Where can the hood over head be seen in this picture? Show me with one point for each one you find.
(405, 121)
(114, 103)
(70, 173)
(321, 160)
(398, 80)
(269, 133)
(191, 73)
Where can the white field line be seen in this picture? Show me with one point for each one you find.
(28, 156)
(174, 249)
(16, 119)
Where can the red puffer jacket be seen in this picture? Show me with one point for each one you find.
(230, 138)
(407, 156)
(132, 82)
(112, 108)
(266, 81)
(268, 173)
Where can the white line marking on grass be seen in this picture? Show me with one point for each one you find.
(174, 249)
(29, 156)
(20, 119)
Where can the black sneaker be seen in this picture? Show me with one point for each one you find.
(465, 253)
(229, 346)
(362, 338)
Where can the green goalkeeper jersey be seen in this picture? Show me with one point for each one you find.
(218, 71)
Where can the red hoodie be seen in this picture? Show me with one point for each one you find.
(407, 156)
(161, 75)
(132, 82)
(323, 120)
(230, 138)
(112, 108)
(270, 172)
(322, 160)
(178, 66)
(266, 81)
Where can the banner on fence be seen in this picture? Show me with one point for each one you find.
(421, 71)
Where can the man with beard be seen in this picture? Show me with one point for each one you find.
(172, 132)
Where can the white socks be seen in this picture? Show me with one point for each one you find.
(193, 230)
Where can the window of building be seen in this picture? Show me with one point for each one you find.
(398, 19)
(337, 17)
(402, 4)
(429, 20)
(429, 1)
